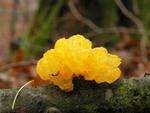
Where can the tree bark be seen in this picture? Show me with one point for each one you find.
(124, 96)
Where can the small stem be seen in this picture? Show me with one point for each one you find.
(14, 101)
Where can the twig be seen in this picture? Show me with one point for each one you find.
(14, 101)
(82, 19)
(140, 27)
(17, 64)
(91, 24)
(113, 30)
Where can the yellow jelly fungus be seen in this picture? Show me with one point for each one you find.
(75, 57)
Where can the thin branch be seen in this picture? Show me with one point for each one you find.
(140, 27)
(82, 19)
(17, 64)
(109, 30)
(91, 24)
(113, 30)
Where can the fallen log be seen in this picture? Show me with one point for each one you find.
(124, 96)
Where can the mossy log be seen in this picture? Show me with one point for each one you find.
(124, 96)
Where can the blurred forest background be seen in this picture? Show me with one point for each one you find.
(30, 27)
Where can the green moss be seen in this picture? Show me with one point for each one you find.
(122, 97)
(91, 107)
(131, 96)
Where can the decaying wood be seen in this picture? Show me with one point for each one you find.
(124, 96)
